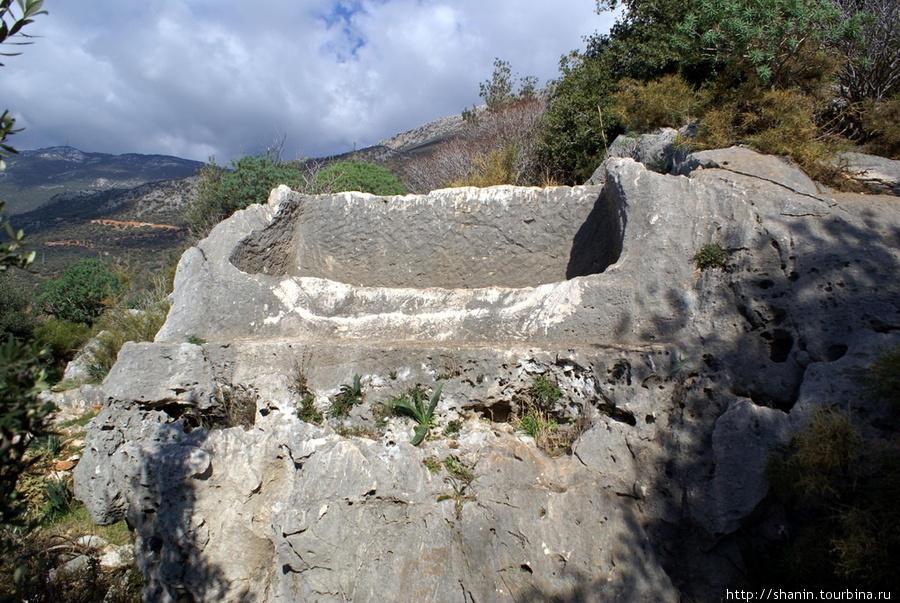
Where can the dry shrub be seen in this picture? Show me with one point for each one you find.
(497, 146)
(119, 325)
(666, 102)
(718, 129)
(828, 451)
(881, 119)
(497, 166)
(776, 122)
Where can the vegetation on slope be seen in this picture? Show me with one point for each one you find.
(768, 74)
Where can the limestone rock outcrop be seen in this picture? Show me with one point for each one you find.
(677, 383)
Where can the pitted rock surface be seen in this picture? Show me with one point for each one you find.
(680, 382)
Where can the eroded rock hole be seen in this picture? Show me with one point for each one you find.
(621, 370)
(454, 239)
(835, 352)
(616, 414)
(780, 345)
(498, 412)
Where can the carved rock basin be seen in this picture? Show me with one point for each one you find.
(561, 265)
(466, 238)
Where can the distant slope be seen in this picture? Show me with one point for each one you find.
(33, 177)
(137, 228)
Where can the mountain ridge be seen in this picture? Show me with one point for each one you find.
(33, 177)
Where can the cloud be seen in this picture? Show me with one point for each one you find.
(199, 77)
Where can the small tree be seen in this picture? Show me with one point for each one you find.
(23, 415)
(82, 292)
(498, 91)
(872, 69)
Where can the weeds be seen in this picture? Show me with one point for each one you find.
(843, 490)
(460, 481)
(453, 426)
(81, 421)
(118, 325)
(544, 390)
(432, 463)
(58, 498)
(347, 398)
(235, 406)
(884, 376)
(307, 410)
(239, 406)
(357, 431)
(458, 469)
(536, 423)
(711, 255)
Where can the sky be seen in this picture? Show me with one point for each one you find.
(197, 78)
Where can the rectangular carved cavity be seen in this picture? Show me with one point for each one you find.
(454, 238)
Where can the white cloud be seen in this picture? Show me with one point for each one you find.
(197, 77)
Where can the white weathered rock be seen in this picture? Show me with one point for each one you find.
(689, 380)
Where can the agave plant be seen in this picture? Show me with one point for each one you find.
(412, 405)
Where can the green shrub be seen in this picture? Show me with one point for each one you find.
(16, 317)
(121, 324)
(81, 294)
(23, 418)
(711, 255)
(223, 191)
(63, 337)
(362, 177)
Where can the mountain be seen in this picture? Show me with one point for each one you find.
(33, 177)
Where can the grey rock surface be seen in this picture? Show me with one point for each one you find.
(676, 385)
(74, 403)
(879, 174)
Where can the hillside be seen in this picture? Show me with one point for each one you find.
(141, 227)
(34, 177)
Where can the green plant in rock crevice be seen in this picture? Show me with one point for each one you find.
(535, 423)
(308, 412)
(544, 390)
(347, 398)
(711, 255)
(433, 464)
(460, 480)
(412, 405)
